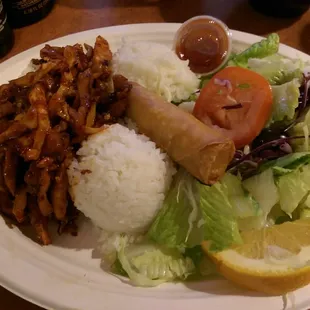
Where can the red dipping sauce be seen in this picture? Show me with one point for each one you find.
(205, 42)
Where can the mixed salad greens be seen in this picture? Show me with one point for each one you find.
(267, 183)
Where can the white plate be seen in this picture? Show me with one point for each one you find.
(67, 274)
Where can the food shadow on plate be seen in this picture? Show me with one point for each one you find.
(233, 13)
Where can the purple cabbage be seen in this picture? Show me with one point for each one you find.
(247, 164)
(304, 99)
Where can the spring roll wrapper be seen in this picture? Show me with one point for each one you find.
(201, 150)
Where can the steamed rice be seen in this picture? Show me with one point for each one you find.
(157, 68)
(120, 180)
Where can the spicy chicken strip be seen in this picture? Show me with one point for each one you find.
(56, 144)
(10, 170)
(18, 127)
(33, 77)
(6, 204)
(83, 84)
(37, 99)
(51, 52)
(44, 183)
(7, 108)
(2, 183)
(32, 178)
(4, 125)
(122, 88)
(59, 193)
(5, 92)
(23, 144)
(45, 162)
(89, 51)
(102, 57)
(38, 221)
(20, 203)
(57, 104)
(75, 56)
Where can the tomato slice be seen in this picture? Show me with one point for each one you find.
(238, 102)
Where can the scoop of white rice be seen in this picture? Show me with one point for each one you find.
(156, 67)
(120, 180)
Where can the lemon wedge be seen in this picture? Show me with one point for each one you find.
(273, 260)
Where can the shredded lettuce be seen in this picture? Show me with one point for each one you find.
(192, 97)
(149, 265)
(264, 48)
(285, 100)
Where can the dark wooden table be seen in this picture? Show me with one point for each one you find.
(69, 16)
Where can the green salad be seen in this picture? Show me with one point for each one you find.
(267, 183)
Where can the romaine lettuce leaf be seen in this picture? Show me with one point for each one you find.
(277, 69)
(149, 265)
(204, 265)
(305, 213)
(292, 190)
(277, 216)
(285, 180)
(285, 101)
(252, 222)
(193, 212)
(244, 205)
(279, 171)
(176, 224)
(301, 129)
(262, 187)
(220, 223)
(264, 48)
(305, 176)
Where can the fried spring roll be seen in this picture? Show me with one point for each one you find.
(201, 150)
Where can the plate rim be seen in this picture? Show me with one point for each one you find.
(246, 38)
